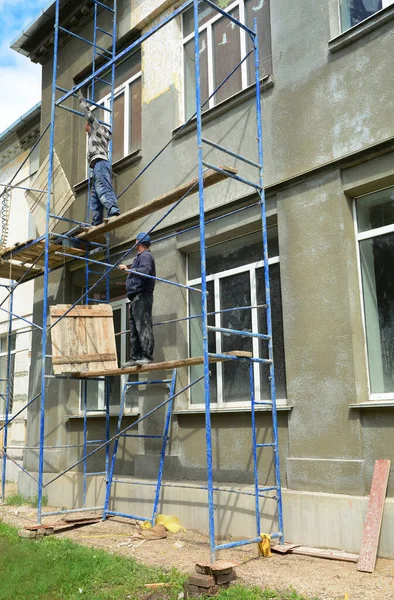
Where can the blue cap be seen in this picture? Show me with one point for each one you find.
(143, 238)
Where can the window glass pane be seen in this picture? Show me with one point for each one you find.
(124, 71)
(95, 395)
(260, 10)
(235, 253)
(235, 291)
(189, 62)
(377, 257)
(355, 11)
(277, 333)
(196, 345)
(135, 115)
(226, 55)
(375, 210)
(118, 131)
(205, 13)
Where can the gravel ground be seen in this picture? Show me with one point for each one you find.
(324, 579)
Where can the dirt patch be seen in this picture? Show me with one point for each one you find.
(325, 579)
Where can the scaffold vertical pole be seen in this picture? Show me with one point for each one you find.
(267, 283)
(7, 393)
(208, 435)
(46, 267)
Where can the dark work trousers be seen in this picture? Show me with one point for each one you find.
(142, 342)
(102, 193)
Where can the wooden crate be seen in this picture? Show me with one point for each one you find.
(84, 340)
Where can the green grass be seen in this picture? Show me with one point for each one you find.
(20, 500)
(58, 569)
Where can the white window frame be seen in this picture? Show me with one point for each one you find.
(365, 235)
(105, 102)
(216, 277)
(240, 4)
(123, 305)
(385, 4)
(4, 354)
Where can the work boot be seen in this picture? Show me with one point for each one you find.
(144, 361)
(130, 363)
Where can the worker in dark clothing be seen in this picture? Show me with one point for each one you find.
(102, 192)
(140, 293)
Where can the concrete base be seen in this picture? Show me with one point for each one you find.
(310, 518)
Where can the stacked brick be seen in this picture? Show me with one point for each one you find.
(210, 578)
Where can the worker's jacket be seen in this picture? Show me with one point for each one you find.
(143, 263)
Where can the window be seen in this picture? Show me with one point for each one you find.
(127, 105)
(375, 232)
(222, 46)
(355, 11)
(3, 370)
(235, 281)
(96, 389)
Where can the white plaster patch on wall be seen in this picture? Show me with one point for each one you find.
(351, 134)
(162, 62)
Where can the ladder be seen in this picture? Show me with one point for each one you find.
(170, 383)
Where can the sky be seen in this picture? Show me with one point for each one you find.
(20, 79)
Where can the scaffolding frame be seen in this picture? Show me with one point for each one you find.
(111, 59)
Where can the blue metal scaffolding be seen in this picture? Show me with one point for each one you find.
(111, 58)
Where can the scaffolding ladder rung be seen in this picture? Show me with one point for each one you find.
(232, 175)
(267, 489)
(103, 5)
(231, 153)
(114, 513)
(270, 445)
(82, 39)
(103, 31)
(150, 437)
(98, 473)
(103, 81)
(263, 402)
(225, 330)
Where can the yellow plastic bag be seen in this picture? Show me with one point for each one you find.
(265, 544)
(146, 525)
(170, 522)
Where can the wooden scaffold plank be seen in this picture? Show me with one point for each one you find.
(211, 177)
(165, 366)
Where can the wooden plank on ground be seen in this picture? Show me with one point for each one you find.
(323, 553)
(284, 548)
(211, 177)
(164, 366)
(83, 340)
(374, 516)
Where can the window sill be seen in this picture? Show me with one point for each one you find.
(361, 29)
(236, 409)
(374, 404)
(223, 107)
(116, 167)
(101, 415)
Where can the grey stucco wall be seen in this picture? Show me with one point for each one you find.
(322, 107)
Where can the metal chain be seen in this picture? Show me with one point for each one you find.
(5, 216)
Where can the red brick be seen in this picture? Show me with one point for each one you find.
(204, 581)
(225, 577)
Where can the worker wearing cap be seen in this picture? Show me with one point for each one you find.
(140, 293)
(102, 192)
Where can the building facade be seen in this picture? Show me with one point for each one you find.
(329, 180)
(16, 144)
